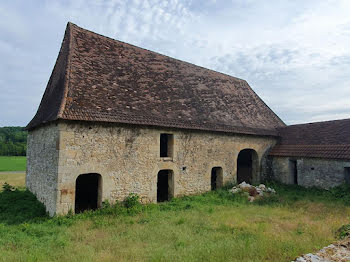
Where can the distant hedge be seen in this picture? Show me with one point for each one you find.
(13, 141)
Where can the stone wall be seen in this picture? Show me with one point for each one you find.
(42, 165)
(323, 173)
(128, 159)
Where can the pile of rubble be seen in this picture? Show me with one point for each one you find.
(336, 252)
(253, 192)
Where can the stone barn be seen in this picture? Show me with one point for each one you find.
(117, 119)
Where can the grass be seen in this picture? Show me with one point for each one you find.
(12, 163)
(15, 179)
(215, 226)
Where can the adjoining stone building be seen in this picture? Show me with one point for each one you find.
(117, 119)
(313, 154)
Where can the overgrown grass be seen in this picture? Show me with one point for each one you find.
(216, 226)
(12, 163)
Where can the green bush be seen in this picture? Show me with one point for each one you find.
(132, 200)
(341, 192)
(7, 188)
(343, 232)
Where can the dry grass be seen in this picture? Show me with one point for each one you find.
(16, 179)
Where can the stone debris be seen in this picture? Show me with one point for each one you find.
(253, 192)
(339, 252)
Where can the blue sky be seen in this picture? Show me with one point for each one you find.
(294, 54)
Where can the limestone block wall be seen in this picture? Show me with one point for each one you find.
(42, 165)
(323, 173)
(281, 170)
(128, 159)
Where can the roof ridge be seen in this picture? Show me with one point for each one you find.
(318, 122)
(154, 52)
(67, 70)
(312, 145)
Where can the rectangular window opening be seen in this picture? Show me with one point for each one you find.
(166, 145)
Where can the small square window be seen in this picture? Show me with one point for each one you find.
(166, 145)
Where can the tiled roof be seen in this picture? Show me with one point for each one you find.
(329, 139)
(318, 151)
(335, 132)
(100, 79)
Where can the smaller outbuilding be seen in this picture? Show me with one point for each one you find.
(313, 154)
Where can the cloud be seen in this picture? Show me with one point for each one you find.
(295, 54)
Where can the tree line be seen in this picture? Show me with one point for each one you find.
(13, 141)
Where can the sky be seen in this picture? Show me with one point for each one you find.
(294, 54)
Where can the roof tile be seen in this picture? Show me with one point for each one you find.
(328, 139)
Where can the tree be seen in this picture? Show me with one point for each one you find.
(13, 141)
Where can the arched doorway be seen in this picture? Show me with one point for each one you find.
(165, 185)
(216, 178)
(247, 162)
(88, 192)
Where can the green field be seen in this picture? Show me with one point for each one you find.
(216, 226)
(12, 163)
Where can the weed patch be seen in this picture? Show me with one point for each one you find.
(343, 232)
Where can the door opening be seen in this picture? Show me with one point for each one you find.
(216, 178)
(247, 166)
(88, 192)
(165, 185)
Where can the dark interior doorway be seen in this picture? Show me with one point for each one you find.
(347, 174)
(216, 178)
(164, 185)
(294, 171)
(246, 165)
(88, 191)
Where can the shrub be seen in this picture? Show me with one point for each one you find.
(106, 204)
(343, 232)
(132, 200)
(341, 192)
(7, 188)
